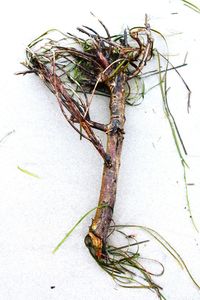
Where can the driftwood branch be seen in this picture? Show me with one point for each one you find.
(101, 65)
(98, 232)
(97, 65)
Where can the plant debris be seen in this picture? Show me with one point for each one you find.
(76, 69)
(28, 172)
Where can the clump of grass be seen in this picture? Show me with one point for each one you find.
(125, 264)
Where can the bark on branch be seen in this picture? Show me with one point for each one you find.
(96, 238)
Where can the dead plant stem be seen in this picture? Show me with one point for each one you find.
(98, 231)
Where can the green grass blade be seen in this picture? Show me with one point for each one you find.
(191, 6)
(74, 227)
(28, 173)
(175, 132)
